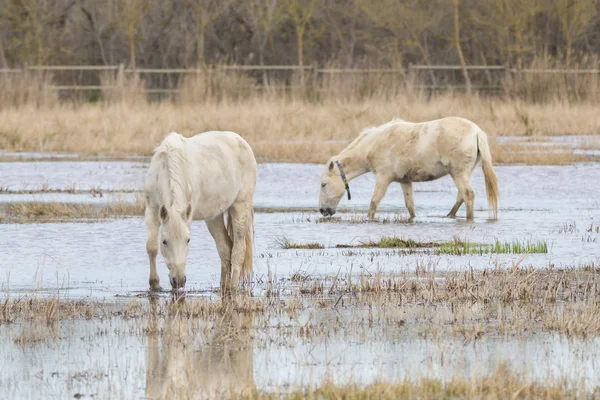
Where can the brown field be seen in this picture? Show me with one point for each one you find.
(288, 130)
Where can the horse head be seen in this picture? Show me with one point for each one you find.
(175, 239)
(333, 185)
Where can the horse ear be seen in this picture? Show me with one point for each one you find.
(163, 213)
(187, 214)
(331, 165)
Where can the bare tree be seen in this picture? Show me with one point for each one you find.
(263, 17)
(98, 16)
(343, 18)
(575, 18)
(37, 25)
(457, 44)
(132, 12)
(300, 12)
(205, 12)
(408, 21)
(510, 26)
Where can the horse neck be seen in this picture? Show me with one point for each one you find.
(354, 160)
(177, 178)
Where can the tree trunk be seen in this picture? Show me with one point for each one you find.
(3, 62)
(131, 37)
(568, 51)
(459, 51)
(201, 44)
(426, 59)
(261, 62)
(300, 39)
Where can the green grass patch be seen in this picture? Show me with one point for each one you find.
(285, 243)
(456, 246)
(460, 247)
(390, 242)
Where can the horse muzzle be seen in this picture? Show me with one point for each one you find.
(327, 212)
(178, 282)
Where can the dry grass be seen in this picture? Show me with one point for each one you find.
(56, 212)
(286, 130)
(500, 384)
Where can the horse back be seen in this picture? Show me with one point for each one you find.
(419, 152)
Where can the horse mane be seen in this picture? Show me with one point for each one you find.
(171, 151)
(371, 130)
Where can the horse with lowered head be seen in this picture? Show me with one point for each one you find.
(407, 152)
(203, 177)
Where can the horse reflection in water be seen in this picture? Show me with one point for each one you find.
(187, 358)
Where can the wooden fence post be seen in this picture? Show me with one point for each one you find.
(506, 78)
(314, 79)
(409, 77)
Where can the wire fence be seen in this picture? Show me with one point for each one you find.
(77, 78)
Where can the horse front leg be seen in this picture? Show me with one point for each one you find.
(381, 186)
(409, 200)
(153, 224)
(218, 231)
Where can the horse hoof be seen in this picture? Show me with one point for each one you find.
(155, 286)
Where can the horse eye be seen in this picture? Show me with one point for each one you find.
(165, 242)
(323, 184)
(188, 241)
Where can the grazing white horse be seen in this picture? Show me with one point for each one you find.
(407, 152)
(202, 177)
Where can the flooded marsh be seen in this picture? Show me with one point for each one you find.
(337, 307)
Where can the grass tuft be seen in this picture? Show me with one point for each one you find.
(456, 246)
(459, 247)
(391, 242)
(287, 244)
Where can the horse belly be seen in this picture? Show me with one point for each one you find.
(425, 174)
(215, 199)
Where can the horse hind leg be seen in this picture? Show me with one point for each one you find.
(241, 216)
(465, 193)
(218, 231)
(457, 205)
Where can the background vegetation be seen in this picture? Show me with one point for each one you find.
(541, 43)
(187, 33)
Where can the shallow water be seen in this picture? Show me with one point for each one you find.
(119, 358)
(555, 204)
(107, 260)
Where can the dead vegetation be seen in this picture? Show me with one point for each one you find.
(564, 301)
(288, 130)
(453, 308)
(503, 382)
(38, 212)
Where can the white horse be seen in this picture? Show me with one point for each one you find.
(407, 152)
(202, 177)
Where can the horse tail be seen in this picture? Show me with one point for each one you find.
(249, 237)
(491, 181)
